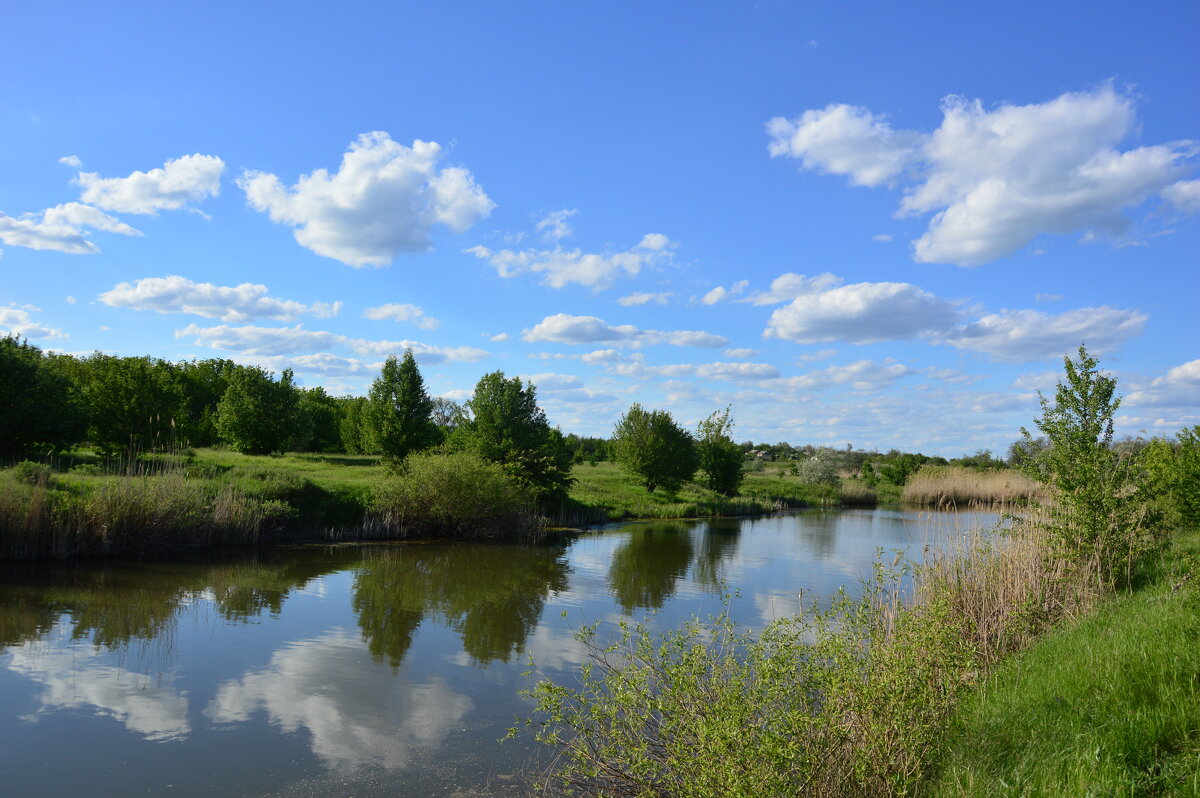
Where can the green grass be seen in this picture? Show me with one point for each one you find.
(605, 491)
(1108, 705)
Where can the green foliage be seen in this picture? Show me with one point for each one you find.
(820, 470)
(318, 427)
(719, 457)
(352, 428)
(399, 412)
(456, 493)
(257, 415)
(650, 445)
(131, 402)
(505, 425)
(846, 701)
(1093, 508)
(39, 411)
(28, 472)
(1172, 475)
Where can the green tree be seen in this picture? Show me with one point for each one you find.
(652, 447)
(258, 415)
(720, 458)
(1091, 488)
(319, 422)
(132, 402)
(352, 430)
(504, 424)
(39, 410)
(1172, 474)
(399, 412)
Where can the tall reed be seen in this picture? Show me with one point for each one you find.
(951, 486)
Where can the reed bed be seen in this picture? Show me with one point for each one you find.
(951, 486)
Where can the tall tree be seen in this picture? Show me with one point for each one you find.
(720, 458)
(504, 424)
(399, 411)
(39, 409)
(132, 402)
(257, 415)
(650, 445)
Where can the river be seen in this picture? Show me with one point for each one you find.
(377, 669)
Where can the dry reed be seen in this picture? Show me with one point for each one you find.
(951, 486)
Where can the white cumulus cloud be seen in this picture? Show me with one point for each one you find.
(240, 303)
(721, 293)
(1184, 195)
(402, 312)
(566, 329)
(995, 179)
(61, 229)
(862, 313)
(642, 298)
(383, 200)
(268, 341)
(790, 285)
(16, 321)
(1020, 335)
(173, 185)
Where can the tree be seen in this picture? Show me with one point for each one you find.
(1091, 487)
(720, 458)
(258, 415)
(39, 411)
(352, 430)
(132, 402)
(504, 424)
(651, 446)
(399, 411)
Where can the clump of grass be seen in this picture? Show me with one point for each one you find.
(28, 472)
(954, 486)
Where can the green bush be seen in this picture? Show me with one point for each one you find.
(459, 494)
(87, 470)
(28, 472)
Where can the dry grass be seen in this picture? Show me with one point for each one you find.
(950, 486)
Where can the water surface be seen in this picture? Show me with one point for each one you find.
(366, 669)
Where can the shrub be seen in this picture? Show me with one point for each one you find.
(28, 472)
(459, 494)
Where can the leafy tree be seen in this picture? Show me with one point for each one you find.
(399, 412)
(200, 384)
(317, 429)
(39, 411)
(257, 415)
(132, 402)
(1172, 474)
(720, 458)
(1091, 486)
(352, 430)
(504, 424)
(651, 446)
(447, 415)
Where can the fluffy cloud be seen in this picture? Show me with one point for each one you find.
(1019, 335)
(561, 267)
(240, 303)
(862, 313)
(400, 312)
(644, 298)
(720, 292)
(174, 185)
(1184, 195)
(17, 321)
(862, 375)
(845, 140)
(322, 363)
(61, 229)
(996, 179)
(268, 341)
(790, 285)
(554, 226)
(1179, 387)
(383, 200)
(565, 329)
(740, 353)
(71, 160)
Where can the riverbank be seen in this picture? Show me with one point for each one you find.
(183, 501)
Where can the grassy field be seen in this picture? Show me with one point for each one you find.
(1107, 705)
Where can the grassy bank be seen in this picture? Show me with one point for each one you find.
(1107, 705)
(210, 497)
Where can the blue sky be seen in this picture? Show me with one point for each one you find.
(876, 224)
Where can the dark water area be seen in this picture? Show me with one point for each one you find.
(374, 669)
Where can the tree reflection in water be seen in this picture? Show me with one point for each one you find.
(492, 595)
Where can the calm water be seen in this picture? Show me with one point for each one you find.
(364, 670)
